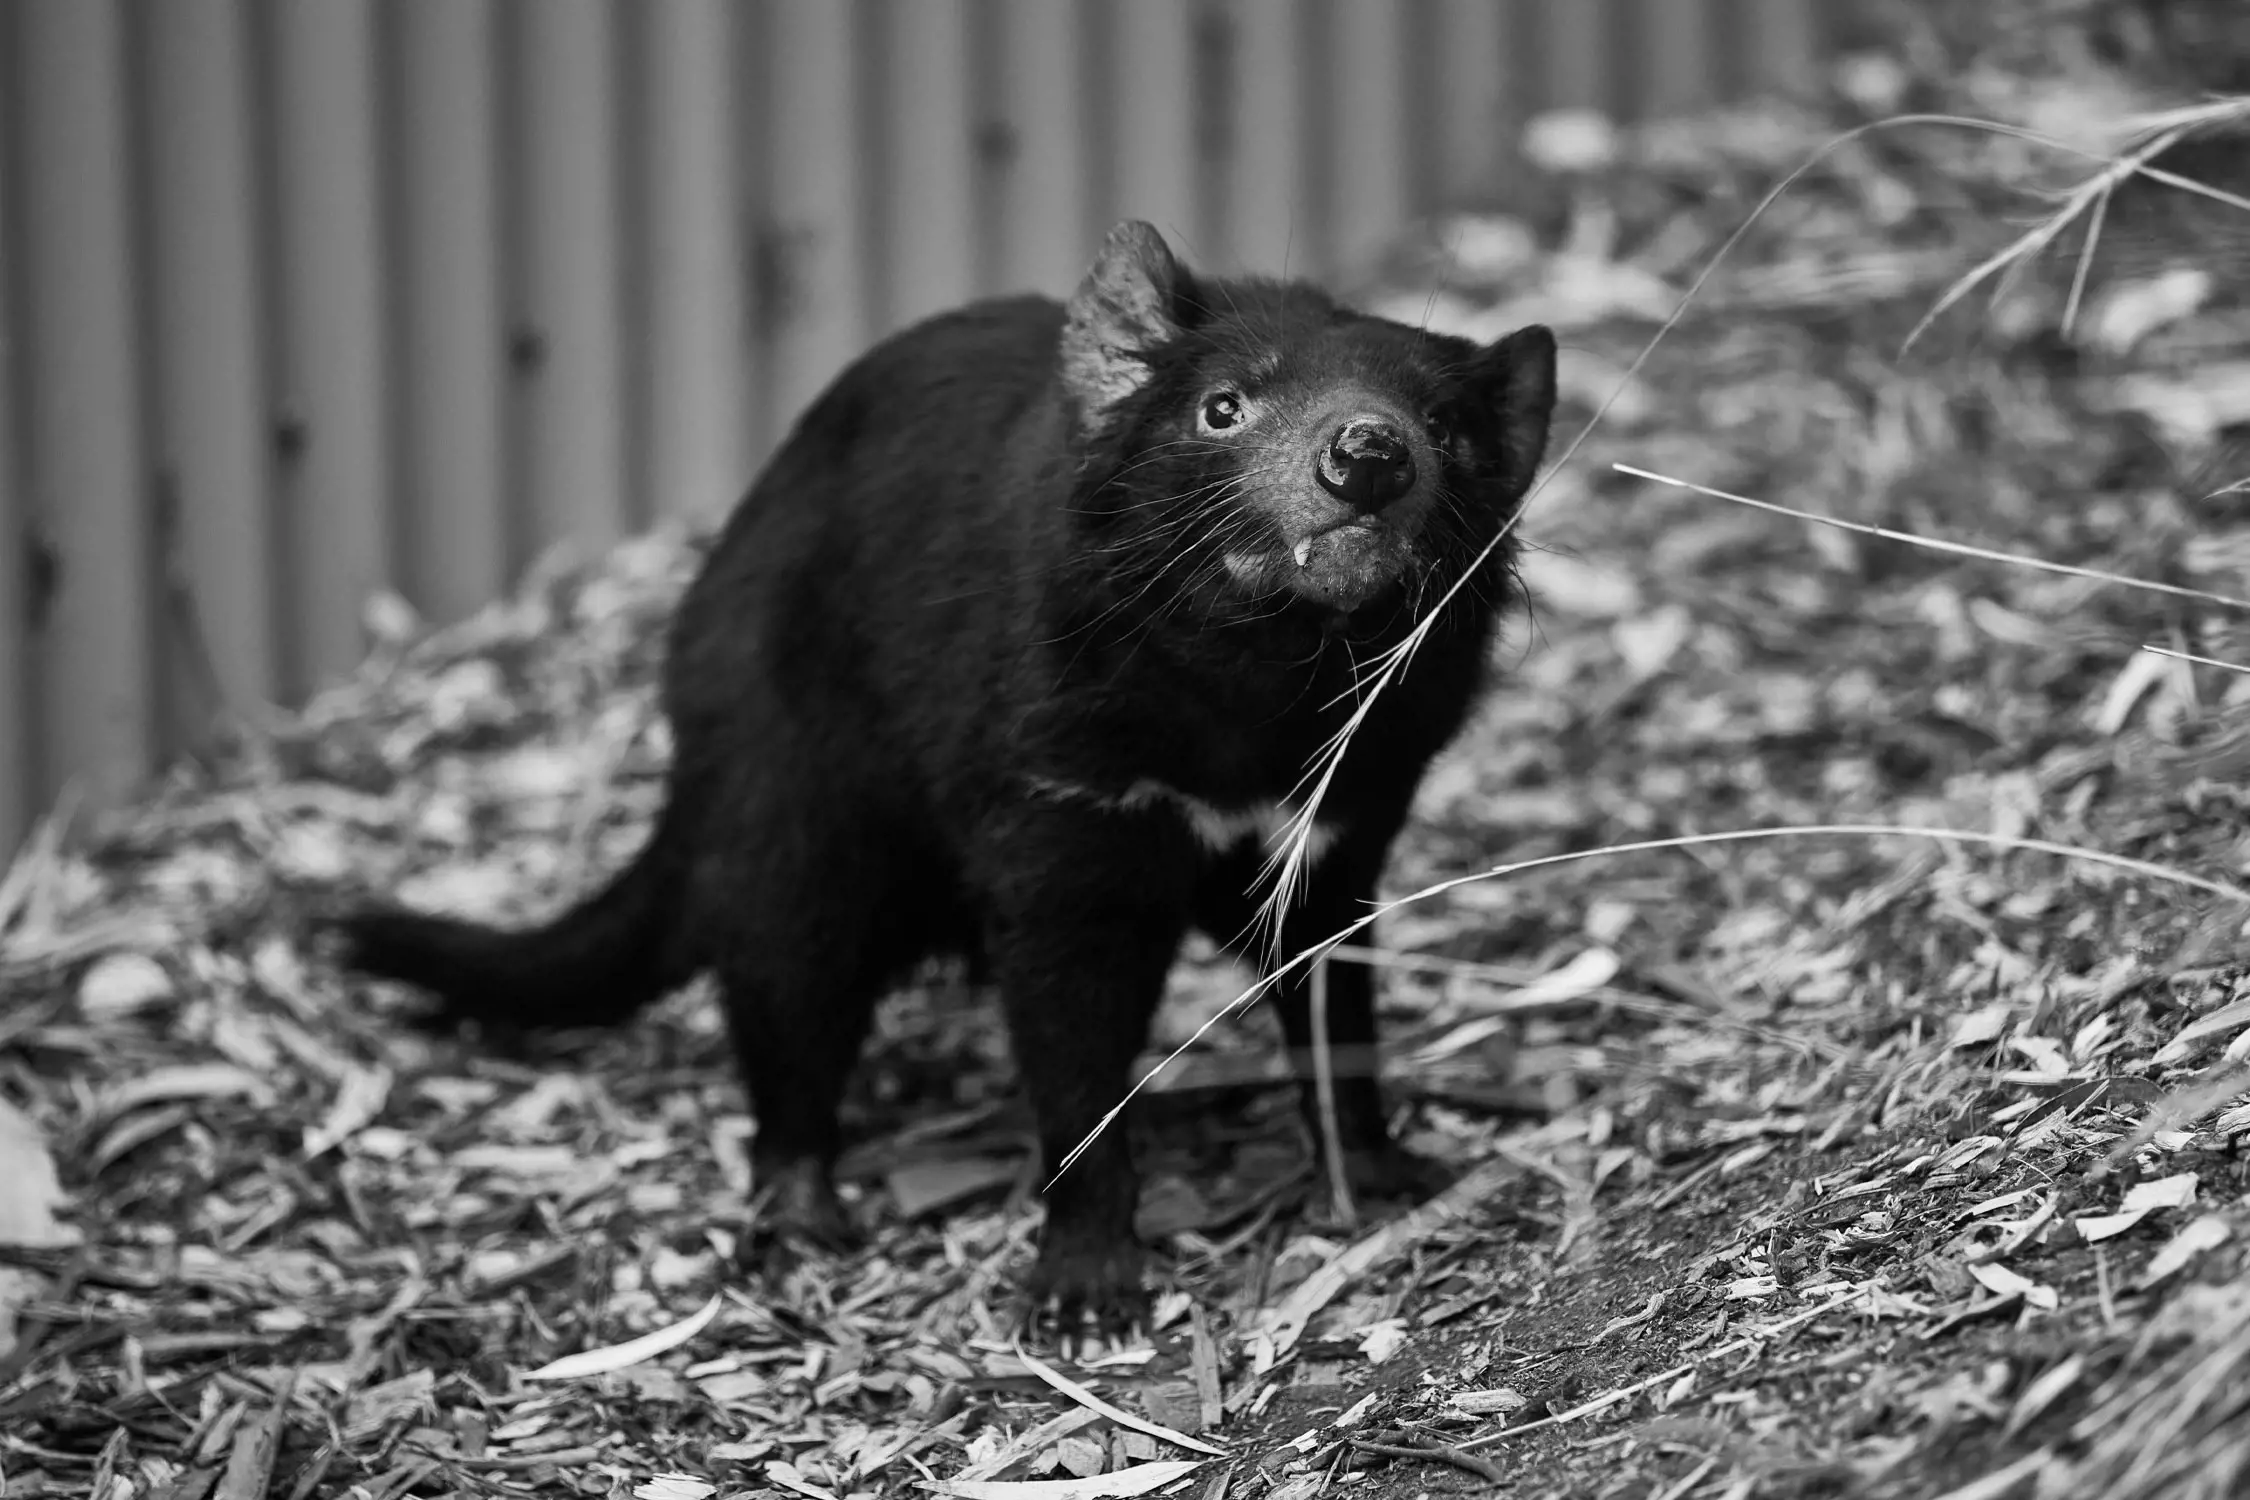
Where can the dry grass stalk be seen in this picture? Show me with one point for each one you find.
(2189, 656)
(1939, 544)
(2090, 200)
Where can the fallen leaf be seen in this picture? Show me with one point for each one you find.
(357, 1104)
(249, 1472)
(1279, 1326)
(674, 1487)
(786, 1474)
(2192, 1036)
(2196, 1236)
(1117, 1414)
(1045, 1435)
(2141, 1200)
(180, 1081)
(1357, 1412)
(2044, 1392)
(2093, 1228)
(2140, 672)
(1080, 1457)
(523, 1162)
(926, 1187)
(1984, 1024)
(739, 1452)
(1590, 970)
(1138, 1480)
(27, 1209)
(631, 1352)
(1379, 1341)
(2002, 1282)
(121, 984)
(1650, 641)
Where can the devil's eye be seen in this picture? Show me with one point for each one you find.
(1440, 431)
(1221, 410)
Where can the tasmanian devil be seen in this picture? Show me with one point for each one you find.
(1019, 649)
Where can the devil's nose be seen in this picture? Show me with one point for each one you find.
(1367, 463)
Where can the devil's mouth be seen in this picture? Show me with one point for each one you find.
(1302, 553)
(1348, 564)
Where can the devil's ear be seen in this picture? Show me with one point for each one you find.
(1515, 377)
(1128, 304)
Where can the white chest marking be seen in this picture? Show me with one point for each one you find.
(1218, 829)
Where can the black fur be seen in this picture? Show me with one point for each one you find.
(1031, 599)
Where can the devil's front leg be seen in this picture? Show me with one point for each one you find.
(1086, 918)
(1337, 890)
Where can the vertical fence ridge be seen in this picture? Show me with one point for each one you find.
(301, 299)
(1153, 166)
(207, 360)
(1575, 46)
(928, 237)
(816, 225)
(84, 430)
(696, 257)
(1471, 45)
(1783, 41)
(1042, 218)
(1369, 77)
(332, 426)
(566, 345)
(1678, 59)
(18, 763)
(451, 532)
(1275, 225)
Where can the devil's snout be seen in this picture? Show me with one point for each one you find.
(1367, 464)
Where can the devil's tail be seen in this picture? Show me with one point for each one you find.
(594, 965)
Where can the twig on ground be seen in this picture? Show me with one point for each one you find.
(1434, 1452)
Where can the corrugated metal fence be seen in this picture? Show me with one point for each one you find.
(303, 297)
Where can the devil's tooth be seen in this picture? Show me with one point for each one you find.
(1304, 553)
